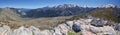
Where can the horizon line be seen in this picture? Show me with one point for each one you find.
(57, 5)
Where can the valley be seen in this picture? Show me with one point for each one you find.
(62, 20)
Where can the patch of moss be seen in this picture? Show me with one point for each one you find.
(70, 33)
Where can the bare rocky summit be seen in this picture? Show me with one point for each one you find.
(75, 27)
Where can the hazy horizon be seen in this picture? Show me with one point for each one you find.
(43, 3)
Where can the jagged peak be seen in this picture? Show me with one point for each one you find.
(110, 6)
(66, 6)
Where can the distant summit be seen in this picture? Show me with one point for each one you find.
(86, 6)
(110, 6)
(58, 10)
(66, 6)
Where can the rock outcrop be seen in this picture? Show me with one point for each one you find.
(85, 26)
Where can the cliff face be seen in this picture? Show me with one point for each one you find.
(91, 26)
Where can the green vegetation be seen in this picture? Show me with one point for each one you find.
(70, 33)
(103, 13)
(106, 14)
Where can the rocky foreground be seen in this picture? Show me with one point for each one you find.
(93, 26)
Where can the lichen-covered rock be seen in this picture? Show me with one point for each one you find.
(110, 23)
(85, 32)
(5, 30)
(117, 27)
(35, 31)
(98, 22)
(104, 30)
(57, 31)
(22, 31)
(69, 23)
(63, 28)
(46, 32)
(76, 28)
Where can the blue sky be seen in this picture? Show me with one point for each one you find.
(43, 3)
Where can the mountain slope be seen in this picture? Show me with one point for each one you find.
(14, 18)
(107, 14)
(111, 14)
(9, 14)
(60, 10)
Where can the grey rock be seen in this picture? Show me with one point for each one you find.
(110, 23)
(105, 30)
(62, 29)
(22, 31)
(35, 31)
(117, 27)
(69, 23)
(76, 28)
(57, 31)
(46, 32)
(5, 30)
(98, 22)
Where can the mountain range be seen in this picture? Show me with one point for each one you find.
(59, 10)
(47, 16)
